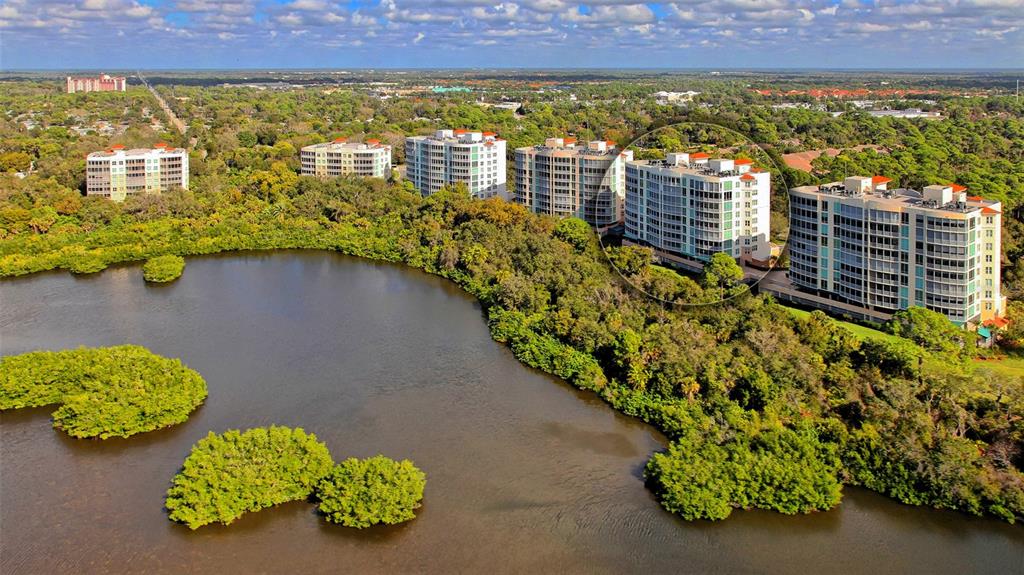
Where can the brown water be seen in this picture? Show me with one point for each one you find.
(524, 473)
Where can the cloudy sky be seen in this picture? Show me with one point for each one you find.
(112, 34)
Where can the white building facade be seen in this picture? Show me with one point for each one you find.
(689, 207)
(566, 179)
(338, 158)
(117, 173)
(448, 157)
(858, 242)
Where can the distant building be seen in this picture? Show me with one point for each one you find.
(338, 158)
(667, 98)
(689, 207)
(447, 157)
(908, 113)
(103, 83)
(884, 250)
(117, 173)
(564, 178)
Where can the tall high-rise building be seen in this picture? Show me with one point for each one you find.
(689, 207)
(337, 158)
(117, 172)
(565, 178)
(476, 159)
(103, 83)
(860, 243)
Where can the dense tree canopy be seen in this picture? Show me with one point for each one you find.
(232, 473)
(163, 268)
(102, 392)
(365, 492)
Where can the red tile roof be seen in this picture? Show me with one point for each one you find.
(490, 134)
(743, 161)
(989, 211)
(974, 198)
(880, 180)
(957, 188)
(747, 177)
(997, 322)
(699, 156)
(340, 140)
(372, 141)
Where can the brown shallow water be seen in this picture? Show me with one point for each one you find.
(524, 472)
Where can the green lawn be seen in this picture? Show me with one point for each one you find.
(861, 331)
(1011, 366)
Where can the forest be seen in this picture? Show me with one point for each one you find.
(764, 409)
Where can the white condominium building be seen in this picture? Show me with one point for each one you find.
(338, 158)
(563, 178)
(476, 159)
(858, 242)
(689, 207)
(117, 172)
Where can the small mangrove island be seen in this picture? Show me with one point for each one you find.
(102, 392)
(230, 474)
(366, 492)
(163, 269)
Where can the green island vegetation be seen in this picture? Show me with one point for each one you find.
(763, 407)
(366, 492)
(164, 268)
(102, 392)
(235, 472)
(227, 475)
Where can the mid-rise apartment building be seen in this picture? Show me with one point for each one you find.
(103, 83)
(340, 157)
(564, 178)
(884, 250)
(117, 172)
(447, 157)
(689, 207)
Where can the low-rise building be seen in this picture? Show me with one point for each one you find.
(102, 83)
(448, 157)
(117, 172)
(564, 178)
(688, 207)
(340, 157)
(860, 243)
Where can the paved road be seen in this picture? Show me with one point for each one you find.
(167, 109)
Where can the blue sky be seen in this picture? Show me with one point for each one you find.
(119, 34)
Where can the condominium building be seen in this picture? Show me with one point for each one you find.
(689, 207)
(884, 250)
(564, 178)
(103, 83)
(447, 157)
(117, 172)
(340, 157)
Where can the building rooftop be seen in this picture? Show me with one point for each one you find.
(571, 146)
(119, 150)
(701, 164)
(460, 136)
(343, 144)
(941, 197)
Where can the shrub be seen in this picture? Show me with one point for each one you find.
(365, 492)
(229, 474)
(163, 268)
(104, 392)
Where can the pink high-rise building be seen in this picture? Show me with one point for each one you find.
(102, 83)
